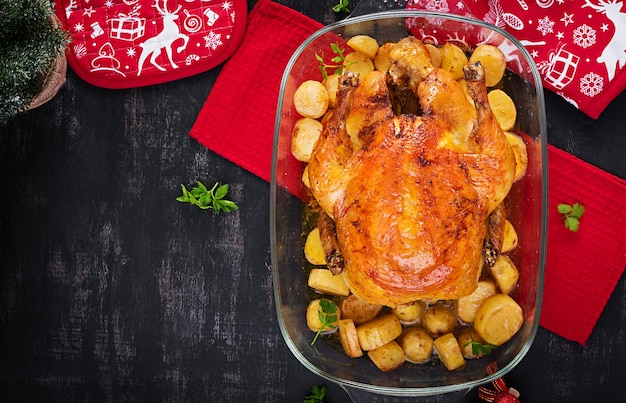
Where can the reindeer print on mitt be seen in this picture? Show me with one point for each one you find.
(133, 43)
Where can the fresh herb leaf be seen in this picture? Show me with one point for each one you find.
(317, 395)
(479, 349)
(341, 6)
(571, 215)
(335, 66)
(327, 314)
(206, 198)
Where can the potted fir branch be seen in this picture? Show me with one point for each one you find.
(32, 55)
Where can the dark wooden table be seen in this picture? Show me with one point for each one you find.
(110, 290)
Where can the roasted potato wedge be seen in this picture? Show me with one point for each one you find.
(521, 154)
(435, 54)
(505, 274)
(498, 319)
(417, 344)
(382, 59)
(360, 311)
(313, 317)
(305, 133)
(439, 319)
(311, 99)
(466, 307)
(349, 338)
(493, 61)
(510, 238)
(387, 357)
(326, 282)
(364, 44)
(313, 250)
(503, 108)
(468, 339)
(379, 331)
(449, 351)
(358, 62)
(408, 314)
(453, 59)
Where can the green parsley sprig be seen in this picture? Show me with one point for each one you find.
(327, 313)
(336, 62)
(571, 215)
(341, 6)
(205, 199)
(479, 349)
(317, 395)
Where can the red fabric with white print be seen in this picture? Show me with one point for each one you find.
(579, 46)
(133, 43)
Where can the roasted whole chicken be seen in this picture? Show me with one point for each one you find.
(409, 194)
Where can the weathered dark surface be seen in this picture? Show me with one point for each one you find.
(110, 290)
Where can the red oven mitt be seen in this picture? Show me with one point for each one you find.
(133, 43)
(578, 46)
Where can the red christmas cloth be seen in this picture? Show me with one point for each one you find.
(133, 43)
(237, 122)
(578, 46)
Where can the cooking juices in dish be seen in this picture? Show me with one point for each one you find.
(409, 159)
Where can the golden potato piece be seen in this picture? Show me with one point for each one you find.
(467, 339)
(304, 135)
(439, 319)
(382, 60)
(493, 61)
(379, 331)
(331, 83)
(305, 177)
(521, 154)
(359, 310)
(453, 59)
(498, 319)
(313, 250)
(466, 307)
(313, 317)
(387, 357)
(349, 338)
(311, 99)
(417, 344)
(358, 62)
(505, 274)
(435, 54)
(510, 238)
(449, 351)
(327, 283)
(364, 44)
(503, 108)
(408, 314)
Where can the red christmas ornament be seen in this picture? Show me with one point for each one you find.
(501, 394)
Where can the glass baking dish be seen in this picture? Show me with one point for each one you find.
(526, 208)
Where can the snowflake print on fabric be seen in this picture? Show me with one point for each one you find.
(591, 84)
(546, 26)
(584, 36)
(212, 40)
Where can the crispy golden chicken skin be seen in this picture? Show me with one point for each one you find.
(410, 194)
